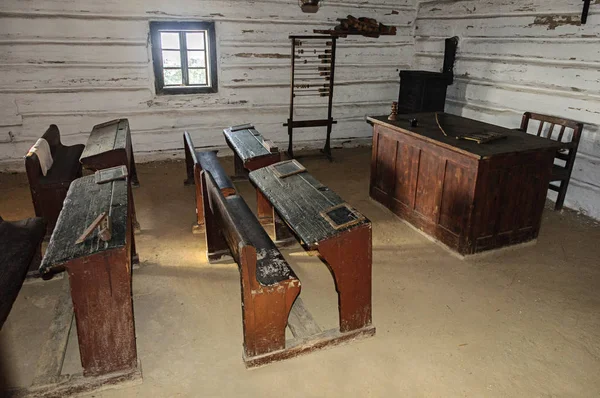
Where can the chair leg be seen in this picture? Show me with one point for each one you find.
(562, 193)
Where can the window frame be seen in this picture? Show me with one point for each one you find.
(156, 27)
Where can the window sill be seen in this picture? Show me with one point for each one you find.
(186, 90)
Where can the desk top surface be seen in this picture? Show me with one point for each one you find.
(299, 200)
(106, 137)
(84, 202)
(246, 141)
(453, 125)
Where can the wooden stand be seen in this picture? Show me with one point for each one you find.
(312, 75)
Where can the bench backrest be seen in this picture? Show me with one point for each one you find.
(239, 244)
(189, 147)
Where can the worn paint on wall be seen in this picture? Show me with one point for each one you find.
(516, 56)
(76, 64)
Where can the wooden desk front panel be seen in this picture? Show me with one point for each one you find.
(466, 203)
(429, 186)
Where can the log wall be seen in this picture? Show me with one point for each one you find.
(522, 55)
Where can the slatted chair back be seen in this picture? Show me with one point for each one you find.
(568, 133)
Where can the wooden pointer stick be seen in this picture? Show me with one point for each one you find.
(93, 226)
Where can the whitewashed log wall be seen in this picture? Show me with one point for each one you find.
(522, 55)
(78, 63)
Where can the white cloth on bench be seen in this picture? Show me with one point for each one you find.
(42, 149)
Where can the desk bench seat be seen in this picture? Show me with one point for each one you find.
(269, 285)
(195, 162)
(20, 250)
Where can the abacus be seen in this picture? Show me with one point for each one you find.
(312, 75)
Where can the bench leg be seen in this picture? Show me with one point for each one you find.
(265, 316)
(198, 226)
(349, 259)
(216, 245)
(264, 208)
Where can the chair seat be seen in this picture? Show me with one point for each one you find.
(66, 166)
(271, 266)
(19, 242)
(559, 173)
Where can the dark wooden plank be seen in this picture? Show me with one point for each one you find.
(208, 161)
(50, 362)
(247, 143)
(429, 131)
(301, 322)
(296, 347)
(78, 384)
(84, 202)
(240, 227)
(299, 199)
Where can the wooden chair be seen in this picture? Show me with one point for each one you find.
(569, 135)
(49, 191)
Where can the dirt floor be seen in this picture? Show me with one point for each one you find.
(520, 323)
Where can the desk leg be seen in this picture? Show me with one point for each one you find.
(264, 208)
(349, 257)
(136, 224)
(133, 170)
(102, 301)
(135, 259)
(241, 174)
(282, 233)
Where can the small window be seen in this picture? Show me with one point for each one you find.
(184, 56)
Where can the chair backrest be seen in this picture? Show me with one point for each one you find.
(569, 131)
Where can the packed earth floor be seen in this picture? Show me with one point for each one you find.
(522, 322)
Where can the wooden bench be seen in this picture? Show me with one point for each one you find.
(251, 152)
(20, 251)
(269, 285)
(48, 191)
(195, 162)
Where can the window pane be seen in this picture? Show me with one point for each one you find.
(196, 59)
(197, 76)
(169, 40)
(195, 40)
(171, 59)
(172, 77)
